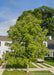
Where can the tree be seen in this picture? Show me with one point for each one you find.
(27, 39)
(44, 13)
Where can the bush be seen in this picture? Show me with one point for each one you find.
(49, 58)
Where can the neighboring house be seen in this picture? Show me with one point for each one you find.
(4, 48)
(50, 46)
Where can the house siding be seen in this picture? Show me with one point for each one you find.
(4, 48)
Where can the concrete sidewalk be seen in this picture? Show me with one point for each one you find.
(51, 69)
(33, 69)
(2, 68)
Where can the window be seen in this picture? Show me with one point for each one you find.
(0, 43)
(47, 55)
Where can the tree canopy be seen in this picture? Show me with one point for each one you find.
(44, 13)
(27, 38)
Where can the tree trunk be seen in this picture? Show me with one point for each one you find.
(27, 68)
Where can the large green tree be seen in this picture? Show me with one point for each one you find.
(27, 39)
(44, 13)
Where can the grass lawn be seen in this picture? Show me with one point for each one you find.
(45, 65)
(0, 62)
(38, 65)
(41, 73)
(31, 66)
(50, 62)
(14, 73)
(24, 73)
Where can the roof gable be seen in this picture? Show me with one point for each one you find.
(3, 38)
(51, 44)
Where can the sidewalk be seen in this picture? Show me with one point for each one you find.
(2, 68)
(51, 69)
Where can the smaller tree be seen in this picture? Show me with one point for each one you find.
(27, 39)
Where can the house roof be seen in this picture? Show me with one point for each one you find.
(3, 38)
(51, 44)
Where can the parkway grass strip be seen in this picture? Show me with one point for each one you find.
(39, 65)
(45, 65)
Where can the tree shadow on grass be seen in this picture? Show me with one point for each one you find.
(16, 66)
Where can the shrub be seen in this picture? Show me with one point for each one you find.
(49, 58)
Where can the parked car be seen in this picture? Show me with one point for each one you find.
(40, 60)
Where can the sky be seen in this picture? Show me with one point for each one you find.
(10, 10)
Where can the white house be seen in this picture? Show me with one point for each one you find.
(4, 48)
